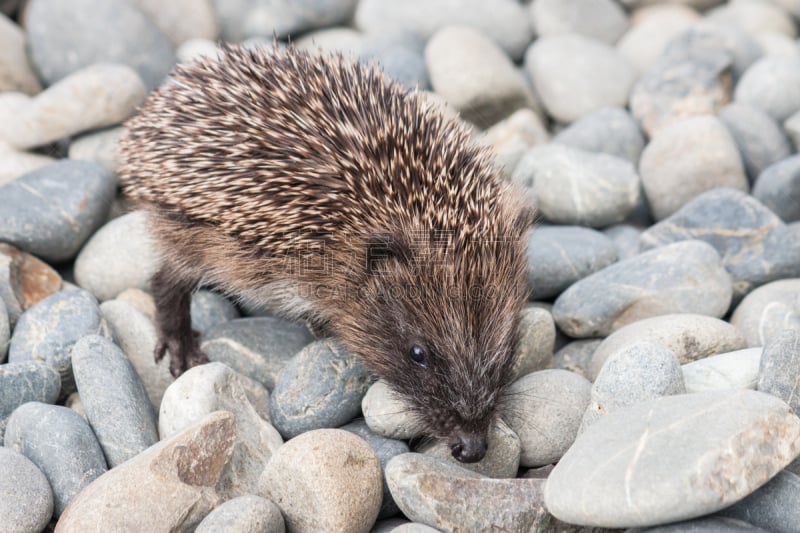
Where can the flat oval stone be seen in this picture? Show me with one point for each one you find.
(772, 84)
(779, 370)
(768, 310)
(387, 414)
(705, 451)
(760, 139)
(545, 409)
(778, 188)
(26, 500)
(61, 444)
(729, 370)
(610, 130)
(245, 514)
(114, 399)
(322, 386)
(51, 211)
(23, 382)
(658, 282)
(256, 347)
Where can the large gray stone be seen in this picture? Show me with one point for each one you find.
(778, 188)
(610, 130)
(26, 499)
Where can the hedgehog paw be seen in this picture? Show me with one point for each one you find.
(181, 358)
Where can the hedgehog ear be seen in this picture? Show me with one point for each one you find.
(382, 247)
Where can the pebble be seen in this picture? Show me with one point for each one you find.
(48, 331)
(24, 280)
(26, 499)
(194, 49)
(771, 507)
(5, 331)
(475, 75)
(99, 146)
(573, 186)
(15, 72)
(575, 75)
(325, 480)
(657, 282)
(712, 524)
(768, 310)
(74, 402)
(65, 36)
(536, 342)
(210, 308)
(114, 399)
(15, 163)
(347, 41)
(320, 387)
(400, 55)
(707, 451)
(181, 20)
(772, 84)
(544, 409)
(509, 139)
(98, 95)
(638, 372)
(65, 202)
(387, 414)
(603, 20)
(778, 188)
(779, 370)
(754, 17)
(398, 525)
(168, 487)
(558, 256)
(504, 21)
(625, 239)
(62, 446)
(688, 336)
(23, 382)
(686, 159)
(245, 514)
(137, 337)
(610, 130)
(755, 245)
(141, 301)
(204, 389)
(450, 498)
(119, 256)
(731, 370)
(652, 27)
(576, 356)
(256, 347)
(760, 139)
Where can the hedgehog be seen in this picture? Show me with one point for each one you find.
(314, 185)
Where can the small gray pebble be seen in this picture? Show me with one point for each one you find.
(26, 500)
(26, 381)
(778, 188)
(610, 130)
(576, 356)
(209, 309)
(245, 514)
(772, 84)
(625, 238)
(779, 371)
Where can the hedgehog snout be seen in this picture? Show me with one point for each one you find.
(468, 447)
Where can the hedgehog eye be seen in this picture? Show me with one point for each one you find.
(418, 354)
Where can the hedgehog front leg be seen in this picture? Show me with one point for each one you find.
(173, 298)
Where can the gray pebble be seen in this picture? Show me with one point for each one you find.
(610, 130)
(625, 238)
(245, 514)
(652, 27)
(61, 444)
(768, 310)
(760, 139)
(400, 56)
(66, 35)
(657, 282)
(778, 188)
(321, 387)
(603, 20)
(773, 507)
(256, 347)
(723, 371)
(209, 309)
(26, 381)
(772, 84)
(26, 500)
(387, 414)
(754, 17)
(114, 399)
(576, 356)
(779, 372)
(558, 256)
(50, 212)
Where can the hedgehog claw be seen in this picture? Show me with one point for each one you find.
(181, 359)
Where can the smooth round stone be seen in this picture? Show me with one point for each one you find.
(670, 459)
(101, 147)
(15, 72)
(400, 63)
(209, 309)
(385, 449)
(603, 20)
(119, 256)
(26, 500)
(48, 331)
(509, 139)
(760, 139)
(755, 245)
(67, 35)
(114, 399)
(50, 212)
(625, 239)
(137, 337)
(245, 514)
(387, 414)
(768, 310)
(772, 84)
(657, 282)
(181, 20)
(346, 41)
(686, 159)
(779, 370)
(325, 480)
(731, 370)
(544, 409)
(574, 75)
(256, 347)
(778, 188)
(536, 342)
(450, 498)
(688, 336)
(638, 372)
(504, 21)
(15, 163)
(558, 256)
(771, 507)
(713, 524)
(23, 382)
(573, 186)
(475, 75)
(60, 443)
(321, 387)
(652, 27)
(576, 356)
(610, 130)
(754, 17)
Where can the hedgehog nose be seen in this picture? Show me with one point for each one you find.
(469, 447)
